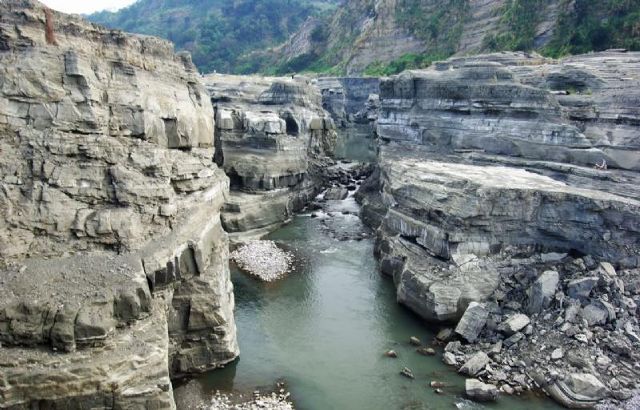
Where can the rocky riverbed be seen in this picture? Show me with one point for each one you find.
(263, 259)
(258, 401)
(571, 331)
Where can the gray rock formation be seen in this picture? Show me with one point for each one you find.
(486, 156)
(475, 364)
(353, 103)
(505, 179)
(272, 136)
(472, 321)
(346, 98)
(542, 291)
(112, 249)
(478, 391)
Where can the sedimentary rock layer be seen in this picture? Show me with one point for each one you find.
(271, 133)
(112, 248)
(347, 98)
(485, 155)
(512, 180)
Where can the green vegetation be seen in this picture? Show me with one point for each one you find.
(583, 26)
(520, 18)
(406, 62)
(596, 26)
(218, 32)
(238, 36)
(439, 25)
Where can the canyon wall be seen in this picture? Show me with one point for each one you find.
(506, 199)
(114, 261)
(496, 154)
(273, 137)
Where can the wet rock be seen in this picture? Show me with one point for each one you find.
(337, 193)
(507, 389)
(406, 372)
(478, 391)
(415, 341)
(445, 334)
(426, 351)
(472, 322)
(453, 347)
(475, 364)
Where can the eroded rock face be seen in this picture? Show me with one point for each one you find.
(483, 158)
(273, 134)
(110, 236)
(512, 180)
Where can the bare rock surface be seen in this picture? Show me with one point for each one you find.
(273, 140)
(511, 180)
(114, 274)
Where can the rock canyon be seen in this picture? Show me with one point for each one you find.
(503, 194)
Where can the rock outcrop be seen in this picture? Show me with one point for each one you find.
(273, 136)
(483, 156)
(505, 179)
(114, 261)
(353, 103)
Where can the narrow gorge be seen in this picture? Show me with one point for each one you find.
(462, 234)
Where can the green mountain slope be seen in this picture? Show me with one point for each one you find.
(375, 37)
(380, 37)
(217, 32)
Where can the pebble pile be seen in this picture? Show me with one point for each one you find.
(273, 401)
(263, 259)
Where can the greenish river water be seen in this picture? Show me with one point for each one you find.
(324, 328)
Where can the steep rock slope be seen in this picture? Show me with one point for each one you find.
(482, 154)
(114, 261)
(272, 136)
(503, 181)
(384, 37)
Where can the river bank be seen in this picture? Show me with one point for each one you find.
(324, 328)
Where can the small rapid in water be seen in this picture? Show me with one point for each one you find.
(324, 328)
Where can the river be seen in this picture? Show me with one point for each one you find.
(324, 328)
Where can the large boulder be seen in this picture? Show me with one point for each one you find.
(479, 391)
(472, 322)
(576, 391)
(542, 291)
(475, 364)
(514, 324)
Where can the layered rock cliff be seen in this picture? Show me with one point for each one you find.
(483, 154)
(114, 261)
(504, 179)
(273, 136)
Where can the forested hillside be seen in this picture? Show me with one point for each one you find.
(381, 37)
(217, 32)
(375, 37)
